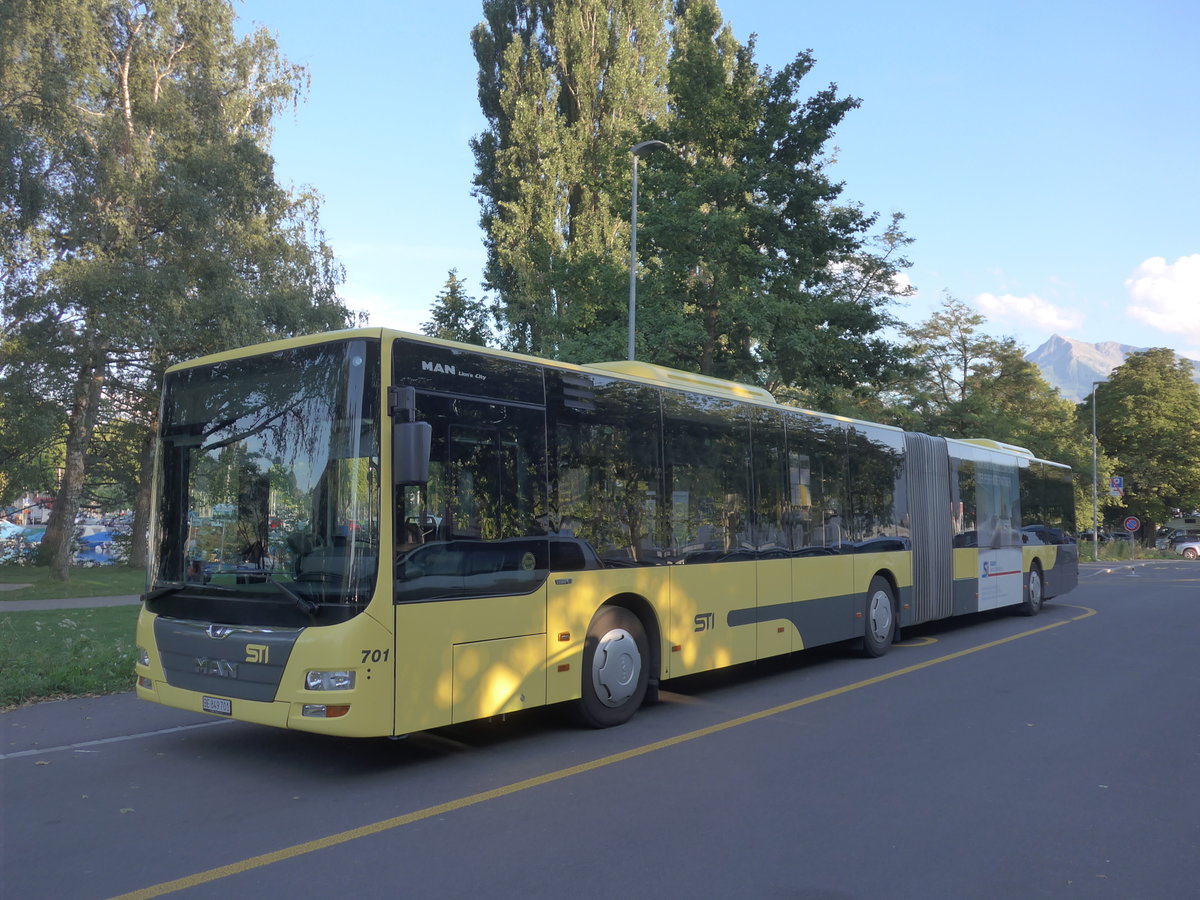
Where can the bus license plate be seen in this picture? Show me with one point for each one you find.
(217, 705)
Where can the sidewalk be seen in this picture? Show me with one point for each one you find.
(67, 603)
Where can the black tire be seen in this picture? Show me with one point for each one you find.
(1035, 592)
(1190, 553)
(880, 626)
(615, 668)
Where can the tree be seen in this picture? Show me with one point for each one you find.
(457, 316)
(140, 215)
(752, 266)
(565, 88)
(1148, 418)
(965, 384)
(755, 269)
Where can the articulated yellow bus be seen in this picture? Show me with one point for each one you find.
(371, 533)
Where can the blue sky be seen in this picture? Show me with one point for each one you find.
(1046, 154)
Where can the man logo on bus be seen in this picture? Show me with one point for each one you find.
(218, 668)
(427, 366)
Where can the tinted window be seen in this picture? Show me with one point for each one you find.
(605, 455)
(876, 494)
(998, 501)
(774, 509)
(963, 505)
(1047, 504)
(816, 462)
(706, 457)
(478, 527)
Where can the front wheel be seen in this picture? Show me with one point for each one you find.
(615, 673)
(881, 618)
(1034, 594)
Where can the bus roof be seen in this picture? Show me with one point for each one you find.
(688, 381)
(998, 445)
(635, 370)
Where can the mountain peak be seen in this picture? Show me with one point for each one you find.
(1072, 366)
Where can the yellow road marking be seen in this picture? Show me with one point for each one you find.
(296, 850)
(918, 642)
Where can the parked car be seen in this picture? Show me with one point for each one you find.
(1183, 537)
(1188, 549)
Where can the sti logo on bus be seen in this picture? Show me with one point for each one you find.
(704, 621)
(258, 653)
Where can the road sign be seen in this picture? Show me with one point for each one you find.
(1132, 523)
(1116, 486)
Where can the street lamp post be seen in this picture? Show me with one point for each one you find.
(1095, 502)
(639, 150)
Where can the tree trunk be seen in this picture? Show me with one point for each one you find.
(55, 550)
(139, 555)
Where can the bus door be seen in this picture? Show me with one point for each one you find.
(472, 561)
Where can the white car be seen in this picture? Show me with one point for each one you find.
(1189, 549)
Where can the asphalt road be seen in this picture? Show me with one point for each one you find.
(991, 757)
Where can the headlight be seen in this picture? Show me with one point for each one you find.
(143, 656)
(329, 681)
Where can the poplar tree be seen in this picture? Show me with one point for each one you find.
(140, 219)
(566, 89)
(751, 266)
(754, 267)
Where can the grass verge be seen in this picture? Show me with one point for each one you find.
(65, 653)
(100, 581)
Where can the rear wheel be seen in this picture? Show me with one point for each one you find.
(1034, 594)
(881, 618)
(615, 672)
(1190, 553)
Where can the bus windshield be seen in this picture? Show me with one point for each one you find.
(268, 487)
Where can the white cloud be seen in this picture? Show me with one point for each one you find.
(1030, 310)
(902, 285)
(1166, 295)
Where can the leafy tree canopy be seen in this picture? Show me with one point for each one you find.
(457, 316)
(756, 270)
(139, 215)
(1148, 418)
(751, 267)
(565, 88)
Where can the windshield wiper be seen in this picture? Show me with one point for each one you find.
(164, 591)
(308, 607)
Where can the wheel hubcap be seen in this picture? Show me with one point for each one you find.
(880, 616)
(616, 667)
(1035, 589)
